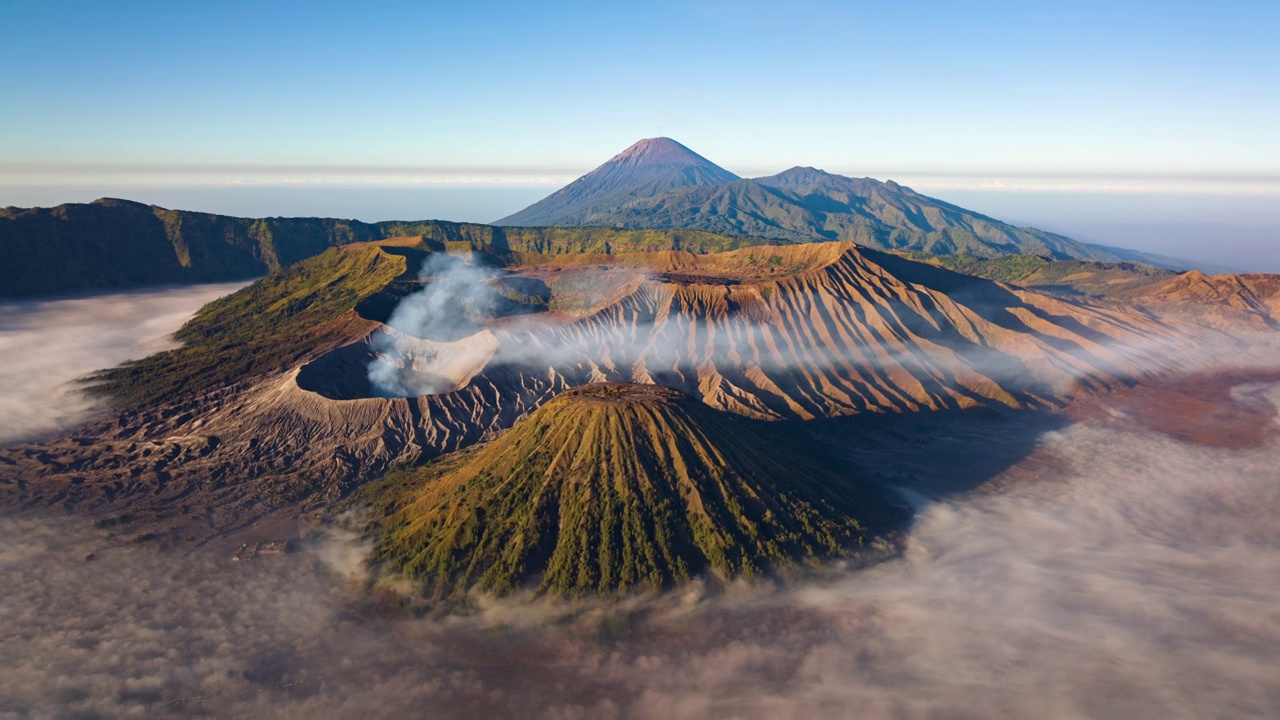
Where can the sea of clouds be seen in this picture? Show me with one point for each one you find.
(1116, 574)
(1130, 576)
(46, 345)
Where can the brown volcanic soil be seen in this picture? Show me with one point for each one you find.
(1214, 409)
(1248, 301)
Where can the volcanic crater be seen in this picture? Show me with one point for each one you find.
(268, 411)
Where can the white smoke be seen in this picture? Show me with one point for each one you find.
(419, 353)
(47, 344)
(438, 342)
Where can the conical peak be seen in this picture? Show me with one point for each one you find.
(803, 170)
(560, 501)
(659, 151)
(647, 168)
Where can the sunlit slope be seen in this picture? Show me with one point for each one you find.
(284, 319)
(846, 330)
(1249, 301)
(1232, 302)
(647, 168)
(614, 486)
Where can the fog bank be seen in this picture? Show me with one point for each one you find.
(45, 345)
(1117, 574)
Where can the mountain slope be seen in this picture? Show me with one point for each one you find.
(806, 204)
(275, 322)
(1164, 261)
(803, 204)
(844, 330)
(647, 168)
(1226, 301)
(1115, 281)
(613, 486)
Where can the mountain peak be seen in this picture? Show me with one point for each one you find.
(118, 202)
(804, 173)
(647, 168)
(660, 151)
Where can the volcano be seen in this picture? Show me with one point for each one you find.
(659, 184)
(267, 412)
(613, 486)
(648, 168)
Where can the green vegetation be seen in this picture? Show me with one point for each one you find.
(273, 324)
(613, 241)
(121, 244)
(1071, 277)
(613, 487)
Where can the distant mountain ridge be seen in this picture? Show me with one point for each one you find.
(802, 204)
(656, 195)
(120, 244)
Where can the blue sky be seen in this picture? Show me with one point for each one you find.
(997, 97)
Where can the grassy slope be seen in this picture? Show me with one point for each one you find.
(610, 240)
(598, 494)
(284, 317)
(272, 324)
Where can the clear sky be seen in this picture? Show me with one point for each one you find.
(1016, 99)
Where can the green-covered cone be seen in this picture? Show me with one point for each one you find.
(614, 486)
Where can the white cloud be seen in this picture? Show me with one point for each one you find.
(46, 345)
(1123, 574)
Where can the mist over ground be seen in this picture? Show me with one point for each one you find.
(47, 344)
(1114, 573)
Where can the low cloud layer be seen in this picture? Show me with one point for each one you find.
(45, 345)
(1116, 574)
